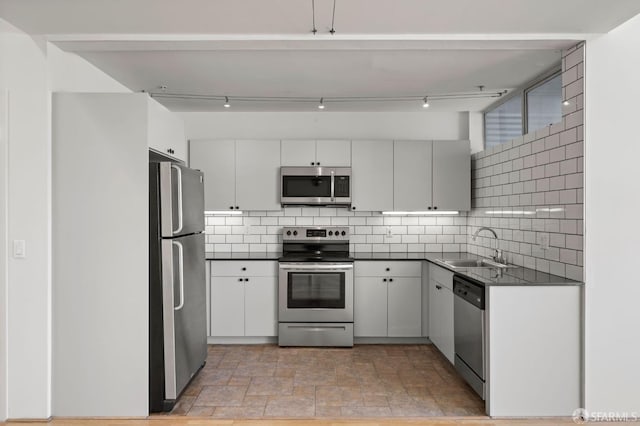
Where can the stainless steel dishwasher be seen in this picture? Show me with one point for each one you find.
(469, 331)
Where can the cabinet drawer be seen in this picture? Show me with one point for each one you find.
(245, 268)
(388, 269)
(441, 275)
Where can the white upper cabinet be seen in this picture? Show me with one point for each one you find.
(412, 175)
(238, 175)
(216, 159)
(310, 152)
(298, 153)
(372, 175)
(432, 175)
(258, 174)
(452, 175)
(166, 131)
(333, 153)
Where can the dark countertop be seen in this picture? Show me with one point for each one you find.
(515, 276)
(262, 255)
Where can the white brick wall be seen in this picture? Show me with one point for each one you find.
(532, 188)
(261, 231)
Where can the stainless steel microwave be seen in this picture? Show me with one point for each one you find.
(315, 186)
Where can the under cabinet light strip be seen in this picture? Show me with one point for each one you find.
(431, 212)
(224, 212)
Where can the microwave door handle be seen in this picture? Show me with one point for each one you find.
(333, 185)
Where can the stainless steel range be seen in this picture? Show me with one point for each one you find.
(315, 287)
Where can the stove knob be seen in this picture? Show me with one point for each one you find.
(288, 232)
(295, 232)
(343, 233)
(330, 233)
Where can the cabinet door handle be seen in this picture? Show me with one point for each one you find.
(429, 208)
(244, 268)
(318, 163)
(388, 269)
(438, 287)
(313, 164)
(237, 207)
(353, 207)
(231, 207)
(384, 279)
(390, 280)
(246, 279)
(435, 207)
(240, 279)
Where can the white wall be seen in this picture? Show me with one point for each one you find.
(69, 72)
(4, 121)
(100, 272)
(326, 125)
(28, 354)
(476, 131)
(612, 200)
(26, 76)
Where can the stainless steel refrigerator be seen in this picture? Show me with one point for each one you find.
(177, 307)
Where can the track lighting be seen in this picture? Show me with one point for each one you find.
(566, 103)
(334, 100)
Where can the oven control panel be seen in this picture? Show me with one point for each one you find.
(316, 233)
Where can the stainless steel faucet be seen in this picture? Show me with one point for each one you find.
(497, 256)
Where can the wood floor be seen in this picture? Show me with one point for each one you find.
(367, 381)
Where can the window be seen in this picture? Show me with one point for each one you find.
(504, 122)
(532, 107)
(544, 103)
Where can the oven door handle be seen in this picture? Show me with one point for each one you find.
(303, 267)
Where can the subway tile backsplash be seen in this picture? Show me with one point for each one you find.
(529, 190)
(261, 231)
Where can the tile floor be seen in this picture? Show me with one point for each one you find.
(265, 381)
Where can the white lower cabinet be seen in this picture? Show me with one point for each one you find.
(244, 298)
(388, 304)
(404, 307)
(441, 310)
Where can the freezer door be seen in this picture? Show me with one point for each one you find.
(182, 200)
(184, 311)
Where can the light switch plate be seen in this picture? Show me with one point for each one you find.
(19, 249)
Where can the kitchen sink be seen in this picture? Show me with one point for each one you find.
(472, 263)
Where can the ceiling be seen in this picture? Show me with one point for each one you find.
(264, 48)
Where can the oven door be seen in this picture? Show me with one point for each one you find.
(316, 292)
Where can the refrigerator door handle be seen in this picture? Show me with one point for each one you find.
(180, 212)
(181, 273)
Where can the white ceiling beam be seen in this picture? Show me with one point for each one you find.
(150, 42)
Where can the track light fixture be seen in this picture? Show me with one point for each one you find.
(334, 100)
(566, 103)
